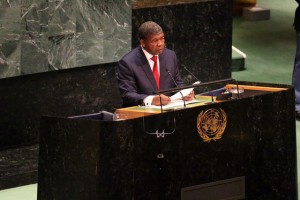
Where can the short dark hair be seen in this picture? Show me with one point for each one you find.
(149, 28)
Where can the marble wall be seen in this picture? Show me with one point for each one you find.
(45, 35)
(201, 37)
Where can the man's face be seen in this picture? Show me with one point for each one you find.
(154, 44)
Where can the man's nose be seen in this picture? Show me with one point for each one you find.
(160, 43)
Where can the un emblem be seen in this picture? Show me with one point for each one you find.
(211, 124)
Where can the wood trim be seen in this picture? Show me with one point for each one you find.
(261, 88)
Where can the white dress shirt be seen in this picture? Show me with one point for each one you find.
(148, 100)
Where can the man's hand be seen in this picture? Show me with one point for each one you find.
(161, 98)
(190, 97)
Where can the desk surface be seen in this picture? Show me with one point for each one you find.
(248, 91)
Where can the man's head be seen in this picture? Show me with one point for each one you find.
(152, 37)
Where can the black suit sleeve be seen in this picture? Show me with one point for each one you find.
(128, 86)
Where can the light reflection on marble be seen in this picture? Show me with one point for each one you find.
(34, 50)
(62, 18)
(63, 51)
(9, 3)
(87, 45)
(136, 4)
(44, 35)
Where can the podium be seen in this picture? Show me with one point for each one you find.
(239, 148)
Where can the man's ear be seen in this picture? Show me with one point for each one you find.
(142, 42)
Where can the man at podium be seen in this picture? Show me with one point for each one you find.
(148, 68)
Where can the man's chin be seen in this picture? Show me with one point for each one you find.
(160, 51)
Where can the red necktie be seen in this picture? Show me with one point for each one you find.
(155, 71)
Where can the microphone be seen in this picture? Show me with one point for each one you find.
(212, 98)
(191, 73)
(176, 86)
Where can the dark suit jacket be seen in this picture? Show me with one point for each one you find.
(136, 80)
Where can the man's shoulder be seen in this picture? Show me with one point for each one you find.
(134, 56)
(133, 53)
(168, 52)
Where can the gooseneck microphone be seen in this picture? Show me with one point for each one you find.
(176, 86)
(212, 98)
(191, 73)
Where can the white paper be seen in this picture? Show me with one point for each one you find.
(182, 93)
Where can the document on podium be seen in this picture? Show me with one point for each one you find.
(176, 99)
(182, 93)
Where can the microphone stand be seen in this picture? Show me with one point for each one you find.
(161, 109)
(212, 99)
(237, 89)
(184, 104)
(191, 73)
(212, 96)
(204, 84)
(195, 85)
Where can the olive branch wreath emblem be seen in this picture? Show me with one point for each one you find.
(211, 124)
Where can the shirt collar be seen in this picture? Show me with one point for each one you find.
(148, 55)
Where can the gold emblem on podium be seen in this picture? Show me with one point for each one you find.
(211, 124)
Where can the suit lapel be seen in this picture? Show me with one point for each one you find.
(164, 76)
(147, 69)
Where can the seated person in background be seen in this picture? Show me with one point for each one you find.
(148, 68)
